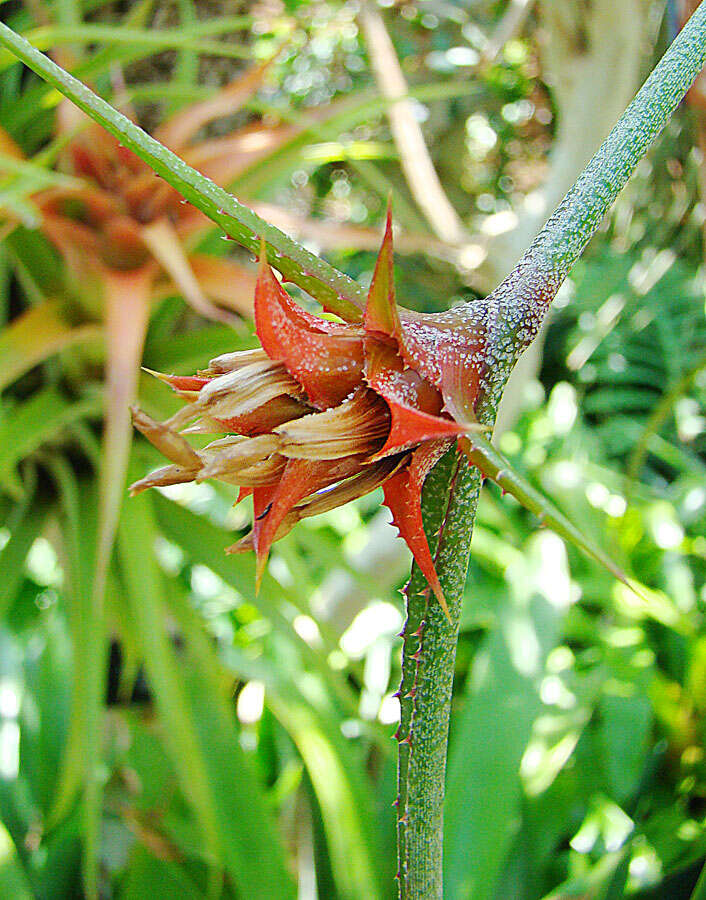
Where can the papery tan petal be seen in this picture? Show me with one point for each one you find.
(372, 477)
(267, 417)
(167, 441)
(238, 392)
(358, 425)
(229, 362)
(231, 459)
(163, 477)
(265, 472)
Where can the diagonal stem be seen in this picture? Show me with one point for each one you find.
(332, 288)
(543, 267)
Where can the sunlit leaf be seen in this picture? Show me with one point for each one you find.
(493, 465)
(199, 726)
(35, 335)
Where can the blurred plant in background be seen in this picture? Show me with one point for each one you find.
(198, 741)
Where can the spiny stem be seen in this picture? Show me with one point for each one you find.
(520, 303)
(429, 654)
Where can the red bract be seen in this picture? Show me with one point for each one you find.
(327, 411)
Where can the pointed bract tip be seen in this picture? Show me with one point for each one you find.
(442, 601)
(160, 375)
(140, 419)
(260, 566)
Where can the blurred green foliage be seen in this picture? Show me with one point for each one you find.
(244, 743)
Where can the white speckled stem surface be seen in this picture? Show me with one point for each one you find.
(451, 491)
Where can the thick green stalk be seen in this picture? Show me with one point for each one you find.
(450, 497)
(519, 304)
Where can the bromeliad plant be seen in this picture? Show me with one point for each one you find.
(113, 221)
(378, 398)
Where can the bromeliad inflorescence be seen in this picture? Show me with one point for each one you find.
(327, 411)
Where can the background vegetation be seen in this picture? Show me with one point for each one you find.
(174, 735)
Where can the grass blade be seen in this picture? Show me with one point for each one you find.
(492, 730)
(335, 766)
(29, 518)
(36, 420)
(493, 465)
(199, 725)
(40, 332)
(699, 892)
(13, 880)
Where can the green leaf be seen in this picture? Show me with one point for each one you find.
(26, 523)
(624, 733)
(491, 733)
(34, 336)
(13, 880)
(199, 725)
(43, 726)
(35, 421)
(699, 892)
(335, 290)
(313, 718)
(153, 39)
(36, 264)
(658, 417)
(82, 756)
(160, 879)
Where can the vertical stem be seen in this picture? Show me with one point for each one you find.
(429, 653)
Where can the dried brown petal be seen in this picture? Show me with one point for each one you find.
(359, 425)
(163, 477)
(167, 441)
(229, 460)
